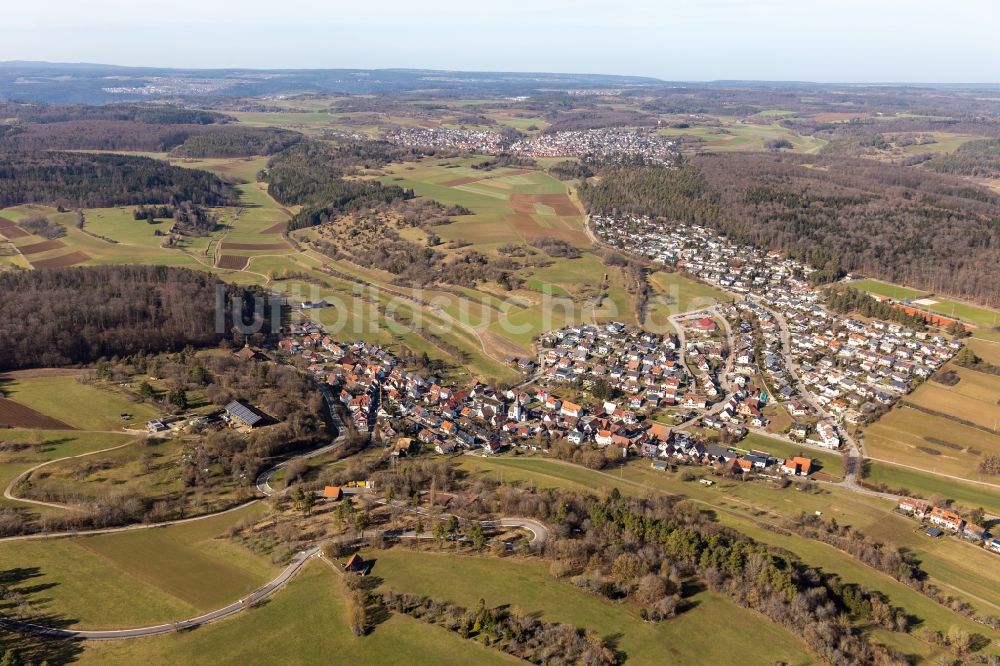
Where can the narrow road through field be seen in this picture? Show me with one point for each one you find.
(9, 494)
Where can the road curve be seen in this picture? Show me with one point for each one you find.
(155, 630)
(539, 531)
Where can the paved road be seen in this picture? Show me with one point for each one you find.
(539, 532)
(141, 632)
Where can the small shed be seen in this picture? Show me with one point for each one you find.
(332, 492)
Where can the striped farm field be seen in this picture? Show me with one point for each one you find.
(275, 228)
(233, 262)
(16, 415)
(44, 246)
(253, 247)
(62, 261)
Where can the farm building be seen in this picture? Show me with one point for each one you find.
(240, 414)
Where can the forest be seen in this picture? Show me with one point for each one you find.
(839, 215)
(237, 142)
(980, 159)
(312, 174)
(77, 180)
(66, 316)
(112, 127)
(157, 114)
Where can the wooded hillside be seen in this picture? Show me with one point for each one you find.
(100, 181)
(903, 225)
(64, 316)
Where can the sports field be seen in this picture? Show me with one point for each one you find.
(983, 318)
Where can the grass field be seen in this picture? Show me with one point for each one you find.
(926, 485)
(931, 442)
(138, 577)
(966, 570)
(733, 136)
(151, 470)
(84, 406)
(48, 445)
(675, 293)
(305, 623)
(526, 584)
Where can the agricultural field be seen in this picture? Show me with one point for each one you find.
(62, 397)
(932, 442)
(306, 623)
(927, 484)
(137, 577)
(528, 586)
(973, 398)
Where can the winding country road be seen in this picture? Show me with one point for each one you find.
(537, 529)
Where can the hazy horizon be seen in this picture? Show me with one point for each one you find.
(849, 41)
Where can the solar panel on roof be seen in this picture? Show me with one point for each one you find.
(244, 413)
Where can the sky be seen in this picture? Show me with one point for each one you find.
(805, 40)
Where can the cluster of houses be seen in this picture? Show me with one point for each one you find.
(485, 142)
(941, 520)
(848, 366)
(726, 460)
(416, 410)
(641, 366)
(603, 143)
